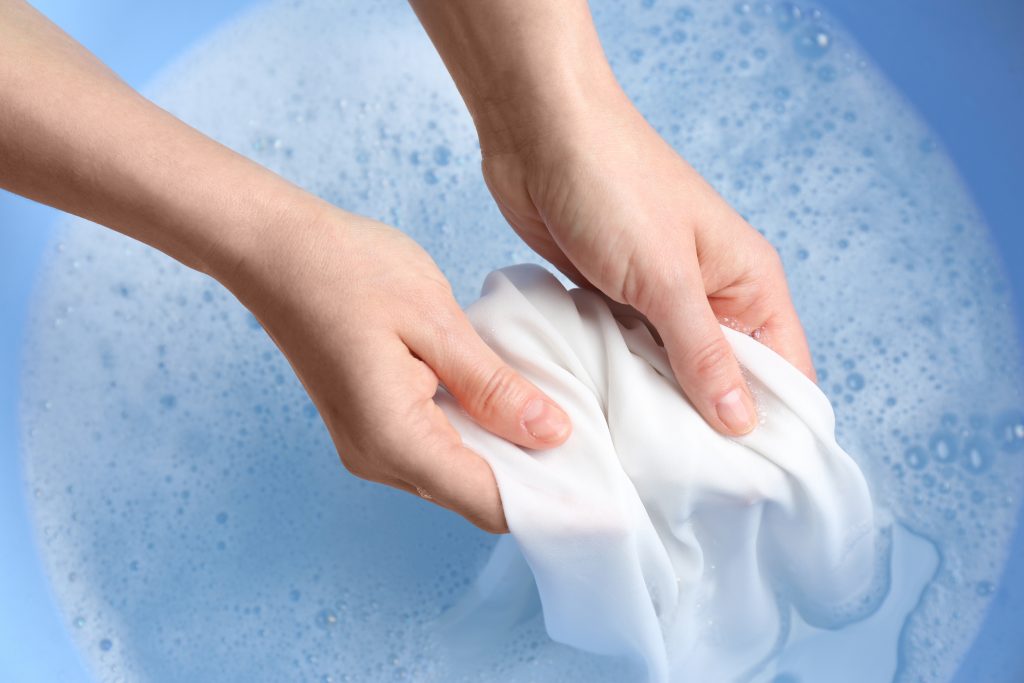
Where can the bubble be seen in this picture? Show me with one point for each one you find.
(893, 233)
(683, 14)
(855, 381)
(326, 619)
(812, 42)
(442, 155)
(942, 446)
(977, 455)
(1009, 432)
(106, 644)
(827, 73)
(916, 458)
(789, 15)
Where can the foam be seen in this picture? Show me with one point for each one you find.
(190, 509)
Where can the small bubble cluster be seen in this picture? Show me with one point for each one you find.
(191, 509)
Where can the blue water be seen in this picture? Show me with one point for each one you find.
(946, 447)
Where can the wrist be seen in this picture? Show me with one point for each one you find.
(263, 260)
(550, 109)
(526, 69)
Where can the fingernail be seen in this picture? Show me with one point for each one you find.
(736, 410)
(544, 421)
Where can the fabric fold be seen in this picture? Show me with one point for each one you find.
(649, 535)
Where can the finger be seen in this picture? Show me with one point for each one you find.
(405, 440)
(785, 333)
(443, 470)
(701, 358)
(497, 397)
(785, 336)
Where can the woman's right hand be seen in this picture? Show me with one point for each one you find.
(370, 326)
(362, 313)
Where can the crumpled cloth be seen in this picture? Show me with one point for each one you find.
(649, 535)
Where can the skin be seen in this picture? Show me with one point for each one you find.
(589, 185)
(574, 168)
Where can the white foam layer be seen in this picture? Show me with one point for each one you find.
(192, 513)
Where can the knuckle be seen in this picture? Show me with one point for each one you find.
(444, 328)
(492, 521)
(494, 526)
(355, 465)
(497, 390)
(423, 381)
(429, 291)
(361, 463)
(773, 261)
(710, 359)
(436, 317)
(643, 282)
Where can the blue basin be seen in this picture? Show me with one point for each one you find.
(960, 63)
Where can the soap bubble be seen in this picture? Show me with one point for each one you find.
(812, 42)
(789, 15)
(199, 460)
(943, 447)
(977, 455)
(916, 458)
(1009, 432)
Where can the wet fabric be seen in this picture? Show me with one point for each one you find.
(648, 534)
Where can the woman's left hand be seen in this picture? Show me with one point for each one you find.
(603, 197)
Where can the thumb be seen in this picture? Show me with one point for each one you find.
(701, 357)
(497, 397)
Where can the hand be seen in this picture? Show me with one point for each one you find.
(600, 195)
(592, 188)
(370, 326)
(362, 313)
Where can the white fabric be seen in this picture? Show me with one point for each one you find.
(650, 535)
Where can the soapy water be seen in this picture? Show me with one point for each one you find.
(191, 511)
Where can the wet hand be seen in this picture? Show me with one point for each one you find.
(596, 191)
(370, 326)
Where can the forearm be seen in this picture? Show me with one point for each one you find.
(76, 137)
(525, 68)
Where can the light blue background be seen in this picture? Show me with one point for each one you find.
(961, 62)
